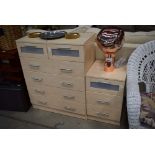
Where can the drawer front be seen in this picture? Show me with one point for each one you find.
(105, 100)
(101, 112)
(66, 52)
(67, 68)
(39, 100)
(33, 64)
(77, 108)
(34, 79)
(64, 95)
(71, 83)
(104, 86)
(32, 50)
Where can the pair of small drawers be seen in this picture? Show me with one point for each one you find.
(104, 98)
(44, 51)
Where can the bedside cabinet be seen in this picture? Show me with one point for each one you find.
(55, 72)
(104, 93)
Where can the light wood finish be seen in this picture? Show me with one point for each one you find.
(104, 93)
(107, 101)
(79, 58)
(60, 111)
(67, 68)
(37, 78)
(56, 82)
(97, 71)
(104, 81)
(30, 53)
(101, 112)
(84, 37)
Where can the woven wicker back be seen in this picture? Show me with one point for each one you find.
(8, 36)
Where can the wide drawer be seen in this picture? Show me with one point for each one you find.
(33, 64)
(104, 86)
(66, 52)
(105, 100)
(32, 50)
(101, 112)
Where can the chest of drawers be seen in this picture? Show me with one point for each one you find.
(104, 93)
(55, 72)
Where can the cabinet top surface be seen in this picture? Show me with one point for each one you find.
(84, 37)
(97, 71)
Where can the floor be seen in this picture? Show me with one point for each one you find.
(38, 119)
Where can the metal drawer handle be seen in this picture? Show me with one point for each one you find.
(39, 91)
(42, 102)
(69, 97)
(68, 108)
(37, 79)
(34, 66)
(67, 84)
(103, 102)
(100, 114)
(66, 70)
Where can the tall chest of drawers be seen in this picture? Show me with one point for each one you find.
(55, 70)
(104, 93)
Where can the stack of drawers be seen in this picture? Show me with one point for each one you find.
(104, 93)
(55, 72)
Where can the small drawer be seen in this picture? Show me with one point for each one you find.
(39, 100)
(77, 108)
(72, 83)
(33, 64)
(105, 100)
(67, 68)
(104, 86)
(103, 113)
(38, 90)
(66, 52)
(34, 79)
(32, 50)
(66, 95)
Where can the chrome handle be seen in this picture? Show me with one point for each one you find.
(37, 79)
(34, 66)
(101, 114)
(42, 102)
(103, 102)
(69, 97)
(39, 91)
(69, 108)
(66, 70)
(67, 84)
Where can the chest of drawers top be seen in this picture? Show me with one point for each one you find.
(97, 72)
(83, 39)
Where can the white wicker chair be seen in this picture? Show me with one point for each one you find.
(140, 68)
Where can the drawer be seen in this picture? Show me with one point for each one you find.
(77, 108)
(66, 52)
(104, 86)
(104, 100)
(38, 90)
(32, 50)
(103, 113)
(39, 100)
(34, 79)
(67, 68)
(71, 83)
(66, 95)
(33, 64)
